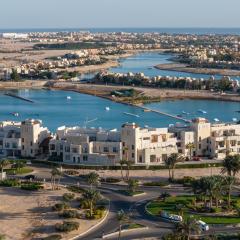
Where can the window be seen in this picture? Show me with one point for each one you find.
(133, 155)
(200, 139)
(22, 139)
(105, 149)
(115, 150)
(123, 144)
(74, 150)
(140, 159)
(78, 159)
(31, 151)
(133, 147)
(74, 159)
(67, 149)
(22, 147)
(52, 147)
(199, 146)
(85, 158)
(152, 158)
(31, 143)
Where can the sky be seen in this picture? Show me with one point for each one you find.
(119, 13)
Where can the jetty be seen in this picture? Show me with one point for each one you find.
(166, 114)
(18, 97)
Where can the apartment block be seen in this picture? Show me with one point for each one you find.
(147, 146)
(32, 136)
(86, 146)
(10, 139)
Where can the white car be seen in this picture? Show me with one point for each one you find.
(203, 226)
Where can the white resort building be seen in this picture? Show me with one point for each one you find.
(25, 139)
(141, 146)
(86, 146)
(147, 146)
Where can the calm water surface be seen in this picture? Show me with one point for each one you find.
(145, 62)
(56, 110)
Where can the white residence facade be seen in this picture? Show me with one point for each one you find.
(86, 146)
(22, 139)
(147, 146)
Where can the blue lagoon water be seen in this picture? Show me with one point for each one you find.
(145, 62)
(56, 110)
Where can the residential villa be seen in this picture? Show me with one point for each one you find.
(86, 146)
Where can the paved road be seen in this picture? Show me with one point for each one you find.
(132, 205)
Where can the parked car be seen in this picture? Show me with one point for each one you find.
(203, 226)
(30, 177)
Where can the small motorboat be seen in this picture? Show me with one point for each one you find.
(234, 119)
(202, 111)
(131, 114)
(107, 108)
(69, 98)
(216, 120)
(15, 114)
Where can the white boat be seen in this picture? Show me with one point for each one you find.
(69, 97)
(234, 119)
(131, 114)
(15, 114)
(216, 120)
(107, 108)
(202, 111)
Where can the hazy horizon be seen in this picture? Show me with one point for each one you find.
(28, 14)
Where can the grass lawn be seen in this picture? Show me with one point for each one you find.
(14, 171)
(170, 206)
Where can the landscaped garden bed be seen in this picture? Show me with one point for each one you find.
(188, 205)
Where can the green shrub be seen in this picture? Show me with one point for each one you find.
(98, 214)
(67, 226)
(31, 186)
(160, 184)
(216, 210)
(60, 206)
(185, 180)
(2, 237)
(10, 183)
(111, 180)
(53, 237)
(67, 197)
(83, 204)
(70, 214)
(103, 208)
(75, 189)
(71, 172)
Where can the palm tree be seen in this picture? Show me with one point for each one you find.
(55, 173)
(190, 147)
(171, 163)
(122, 218)
(187, 227)
(229, 181)
(231, 165)
(122, 163)
(91, 196)
(3, 164)
(93, 179)
(129, 165)
(132, 185)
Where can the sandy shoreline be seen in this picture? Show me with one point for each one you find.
(178, 67)
(104, 91)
